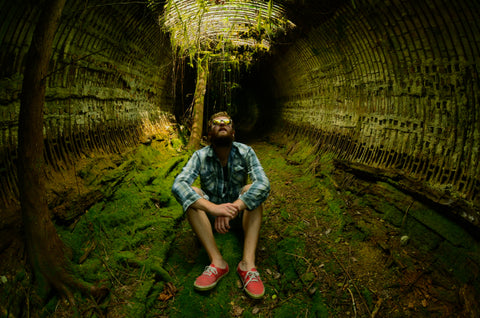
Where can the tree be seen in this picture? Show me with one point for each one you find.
(199, 103)
(222, 30)
(45, 250)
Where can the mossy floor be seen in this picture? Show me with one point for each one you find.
(330, 246)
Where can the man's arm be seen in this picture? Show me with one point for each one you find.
(223, 212)
(229, 210)
(260, 188)
(182, 186)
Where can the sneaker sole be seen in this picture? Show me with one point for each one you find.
(206, 288)
(253, 295)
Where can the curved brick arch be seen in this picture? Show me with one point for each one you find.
(390, 85)
(415, 96)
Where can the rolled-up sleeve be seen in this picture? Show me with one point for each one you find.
(260, 188)
(182, 186)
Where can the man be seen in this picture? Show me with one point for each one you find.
(224, 200)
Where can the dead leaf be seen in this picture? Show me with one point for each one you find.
(168, 292)
(237, 311)
(255, 310)
(164, 297)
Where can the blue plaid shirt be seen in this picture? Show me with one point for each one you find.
(242, 163)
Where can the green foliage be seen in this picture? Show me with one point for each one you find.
(196, 27)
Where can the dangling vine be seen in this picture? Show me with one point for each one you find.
(226, 34)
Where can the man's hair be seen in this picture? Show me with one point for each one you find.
(216, 115)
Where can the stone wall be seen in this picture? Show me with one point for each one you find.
(386, 85)
(393, 85)
(109, 77)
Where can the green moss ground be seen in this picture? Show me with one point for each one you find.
(330, 245)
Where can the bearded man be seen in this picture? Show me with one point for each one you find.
(224, 201)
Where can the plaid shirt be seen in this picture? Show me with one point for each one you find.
(242, 163)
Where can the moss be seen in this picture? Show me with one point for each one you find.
(367, 296)
(421, 236)
(177, 143)
(301, 152)
(335, 216)
(295, 307)
(215, 303)
(49, 308)
(92, 270)
(391, 213)
(319, 309)
(142, 241)
(457, 261)
(440, 224)
(137, 306)
(130, 231)
(288, 258)
(363, 231)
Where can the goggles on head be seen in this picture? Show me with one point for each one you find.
(224, 121)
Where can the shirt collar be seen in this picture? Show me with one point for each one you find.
(211, 153)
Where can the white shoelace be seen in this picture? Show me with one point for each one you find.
(251, 277)
(209, 270)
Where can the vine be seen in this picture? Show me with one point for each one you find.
(227, 35)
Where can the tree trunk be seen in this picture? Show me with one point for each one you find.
(45, 250)
(198, 106)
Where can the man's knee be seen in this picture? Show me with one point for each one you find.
(199, 191)
(245, 188)
(194, 215)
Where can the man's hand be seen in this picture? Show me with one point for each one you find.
(228, 210)
(222, 224)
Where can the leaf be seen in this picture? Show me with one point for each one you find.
(237, 311)
(168, 292)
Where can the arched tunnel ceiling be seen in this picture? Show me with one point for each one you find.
(192, 23)
(388, 85)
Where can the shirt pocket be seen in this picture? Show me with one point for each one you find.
(239, 175)
(208, 180)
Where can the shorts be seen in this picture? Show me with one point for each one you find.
(235, 224)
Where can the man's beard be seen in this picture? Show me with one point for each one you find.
(222, 141)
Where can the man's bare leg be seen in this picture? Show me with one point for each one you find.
(201, 225)
(251, 222)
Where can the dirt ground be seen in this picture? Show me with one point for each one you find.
(324, 251)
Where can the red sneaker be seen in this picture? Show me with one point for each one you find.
(210, 277)
(252, 283)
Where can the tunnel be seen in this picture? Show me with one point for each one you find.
(388, 89)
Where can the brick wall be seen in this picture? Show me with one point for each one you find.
(393, 85)
(109, 76)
